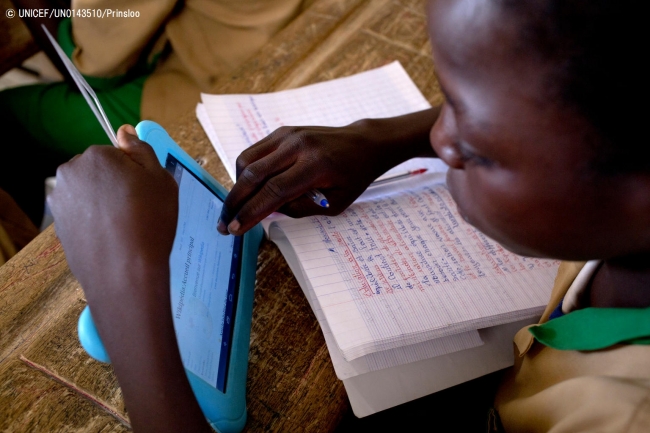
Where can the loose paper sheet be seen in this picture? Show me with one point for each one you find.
(234, 122)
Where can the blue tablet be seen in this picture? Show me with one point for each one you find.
(212, 280)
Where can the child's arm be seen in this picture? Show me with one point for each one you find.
(275, 173)
(115, 212)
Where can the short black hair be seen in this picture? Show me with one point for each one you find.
(595, 49)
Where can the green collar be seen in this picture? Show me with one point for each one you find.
(595, 328)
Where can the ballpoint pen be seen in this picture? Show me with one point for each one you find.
(317, 197)
(398, 177)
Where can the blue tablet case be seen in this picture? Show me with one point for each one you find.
(226, 412)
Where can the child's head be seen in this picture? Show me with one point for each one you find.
(537, 128)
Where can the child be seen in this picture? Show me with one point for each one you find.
(541, 159)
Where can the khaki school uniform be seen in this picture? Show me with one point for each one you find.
(590, 388)
(198, 42)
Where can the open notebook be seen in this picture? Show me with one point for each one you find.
(399, 277)
(402, 268)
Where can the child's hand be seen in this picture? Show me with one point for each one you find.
(115, 212)
(275, 173)
(114, 209)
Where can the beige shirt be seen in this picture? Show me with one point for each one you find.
(551, 390)
(201, 42)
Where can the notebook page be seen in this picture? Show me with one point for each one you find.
(238, 121)
(405, 268)
(378, 360)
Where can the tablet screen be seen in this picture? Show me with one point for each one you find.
(204, 277)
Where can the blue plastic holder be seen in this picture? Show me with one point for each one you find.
(225, 411)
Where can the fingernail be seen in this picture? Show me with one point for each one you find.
(221, 227)
(233, 227)
(127, 137)
(130, 129)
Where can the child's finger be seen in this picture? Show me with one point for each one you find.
(138, 150)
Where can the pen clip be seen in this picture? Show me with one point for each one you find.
(85, 89)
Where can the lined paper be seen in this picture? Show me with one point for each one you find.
(378, 360)
(404, 268)
(235, 122)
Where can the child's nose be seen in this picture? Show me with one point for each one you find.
(444, 138)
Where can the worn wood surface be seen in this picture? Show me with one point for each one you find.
(48, 383)
(16, 42)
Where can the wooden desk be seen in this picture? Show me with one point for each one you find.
(48, 383)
